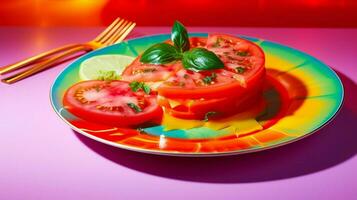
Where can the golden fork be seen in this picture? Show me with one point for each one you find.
(114, 33)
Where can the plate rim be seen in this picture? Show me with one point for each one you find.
(197, 154)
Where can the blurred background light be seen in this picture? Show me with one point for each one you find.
(258, 13)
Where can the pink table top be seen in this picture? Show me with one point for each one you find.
(42, 158)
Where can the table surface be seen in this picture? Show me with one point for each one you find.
(42, 158)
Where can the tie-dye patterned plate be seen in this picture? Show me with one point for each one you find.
(302, 94)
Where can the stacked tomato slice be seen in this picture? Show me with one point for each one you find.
(193, 95)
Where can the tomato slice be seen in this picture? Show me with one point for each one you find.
(111, 103)
(142, 72)
(198, 108)
(244, 67)
(239, 55)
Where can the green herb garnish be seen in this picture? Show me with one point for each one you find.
(146, 70)
(135, 107)
(209, 79)
(199, 59)
(160, 53)
(196, 59)
(240, 70)
(179, 37)
(97, 88)
(108, 75)
(208, 115)
(135, 86)
(242, 53)
(141, 130)
(217, 43)
(181, 84)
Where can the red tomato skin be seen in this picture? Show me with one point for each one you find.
(224, 106)
(74, 107)
(252, 47)
(194, 42)
(222, 111)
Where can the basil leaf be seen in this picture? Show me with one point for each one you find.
(240, 70)
(179, 37)
(135, 107)
(135, 86)
(160, 53)
(199, 59)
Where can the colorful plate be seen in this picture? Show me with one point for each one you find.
(302, 94)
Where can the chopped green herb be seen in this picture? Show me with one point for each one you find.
(208, 115)
(181, 84)
(97, 88)
(240, 70)
(146, 70)
(141, 130)
(208, 79)
(242, 53)
(135, 107)
(230, 57)
(217, 43)
(146, 89)
(135, 86)
(108, 76)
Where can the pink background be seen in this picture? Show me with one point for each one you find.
(42, 158)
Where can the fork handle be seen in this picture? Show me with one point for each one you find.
(34, 59)
(44, 65)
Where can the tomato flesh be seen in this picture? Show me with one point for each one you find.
(111, 103)
(143, 72)
(238, 55)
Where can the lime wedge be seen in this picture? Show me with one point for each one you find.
(104, 67)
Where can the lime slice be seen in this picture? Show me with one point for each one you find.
(104, 67)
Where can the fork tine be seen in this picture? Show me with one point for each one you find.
(115, 32)
(110, 27)
(121, 34)
(118, 33)
(111, 31)
(128, 30)
(119, 29)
